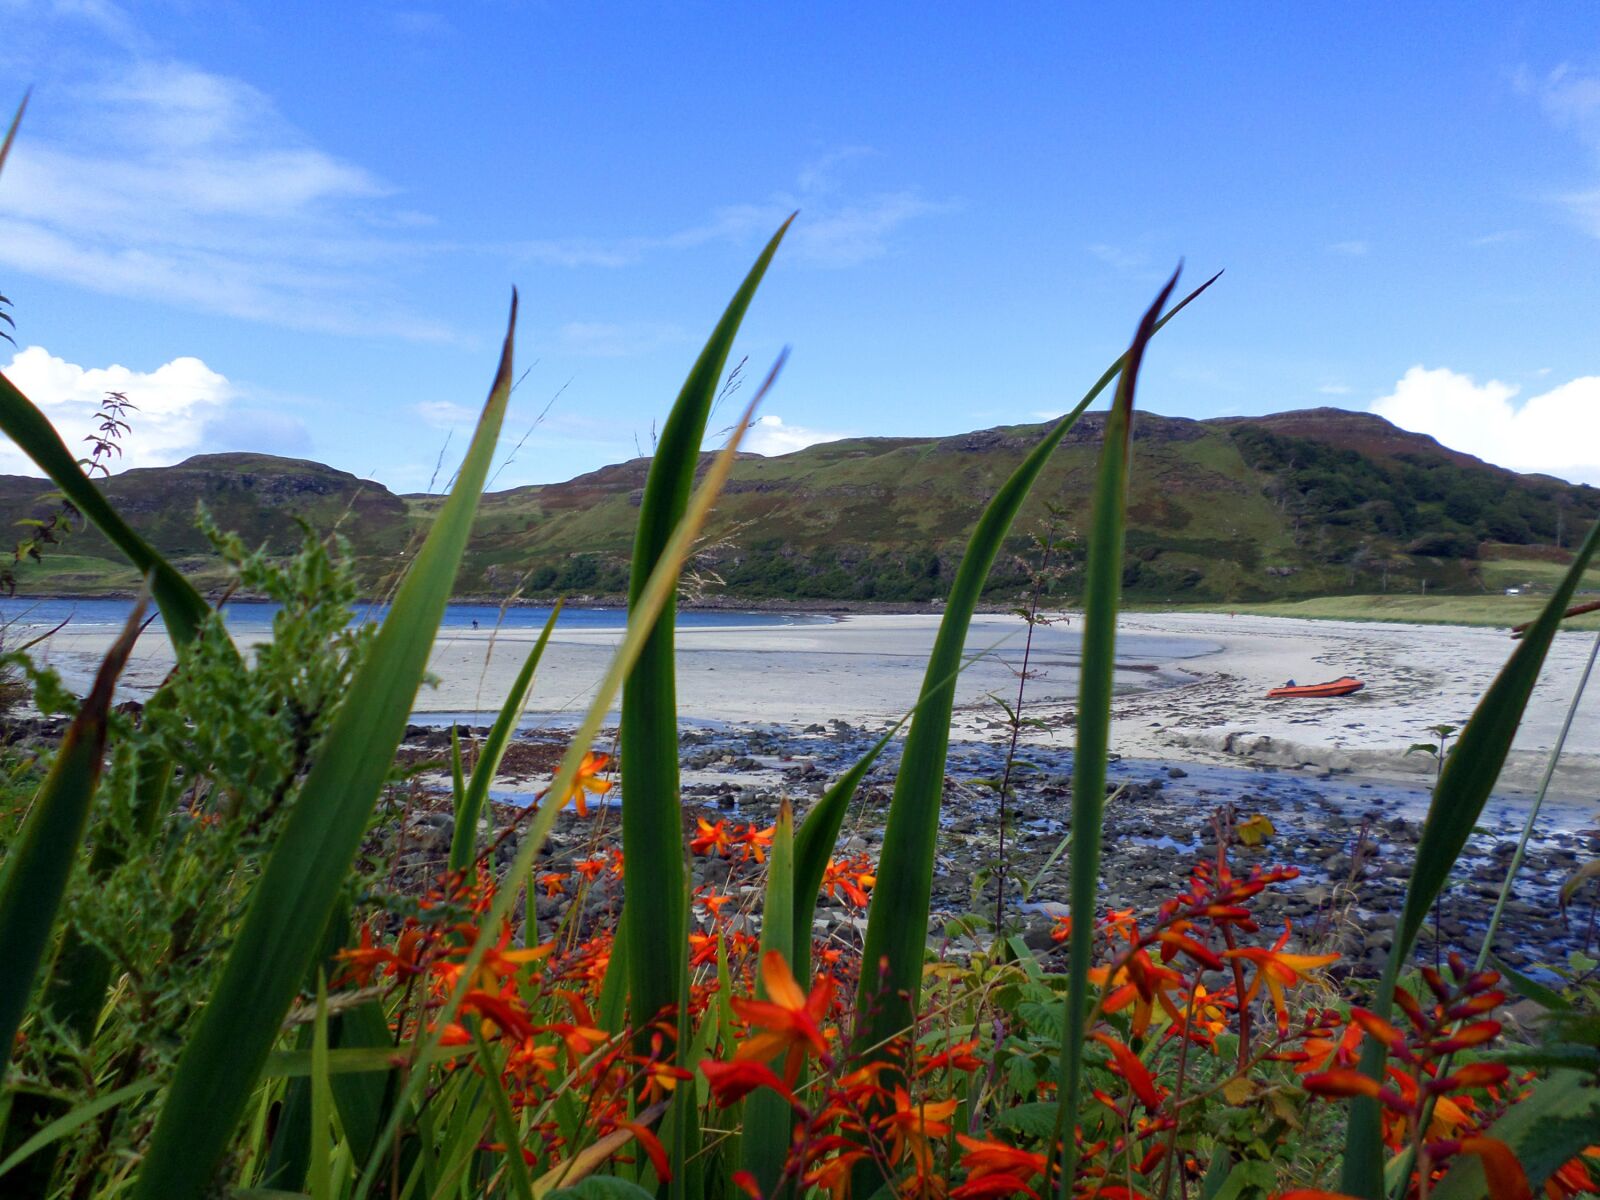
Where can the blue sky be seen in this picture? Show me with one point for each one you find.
(294, 227)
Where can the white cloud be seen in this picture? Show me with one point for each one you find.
(1556, 432)
(770, 435)
(1351, 249)
(178, 407)
(162, 182)
(1334, 389)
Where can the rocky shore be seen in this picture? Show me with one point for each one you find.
(1353, 841)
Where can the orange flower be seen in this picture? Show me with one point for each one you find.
(733, 1081)
(1278, 970)
(553, 884)
(911, 1126)
(587, 780)
(754, 842)
(986, 1158)
(789, 1019)
(712, 839)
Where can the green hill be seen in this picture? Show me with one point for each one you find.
(1290, 505)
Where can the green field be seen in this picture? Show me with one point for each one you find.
(1495, 610)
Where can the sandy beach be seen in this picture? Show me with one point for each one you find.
(1191, 687)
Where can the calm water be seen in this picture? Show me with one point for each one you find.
(244, 616)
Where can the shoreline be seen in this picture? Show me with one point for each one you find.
(1190, 686)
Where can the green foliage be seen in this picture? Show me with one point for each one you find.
(652, 822)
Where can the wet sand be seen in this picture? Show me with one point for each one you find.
(1191, 687)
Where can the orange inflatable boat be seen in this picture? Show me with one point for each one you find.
(1342, 686)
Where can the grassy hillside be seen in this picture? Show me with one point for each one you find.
(1291, 506)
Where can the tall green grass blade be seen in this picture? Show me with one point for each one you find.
(898, 920)
(814, 844)
(291, 903)
(72, 1121)
(652, 823)
(658, 590)
(181, 606)
(39, 862)
(768, 1119)
(612, 1012)
(1468, 776)
(505, 1123)
(463, 844)
(11, 131)
(458, 774)
(1102, 591)
(319, 1168)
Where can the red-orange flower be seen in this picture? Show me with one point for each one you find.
(587, 780)
(789, 1020)
(712, 839)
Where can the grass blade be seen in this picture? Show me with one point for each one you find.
(463, 845)
(652, 824)
(814, 844)
(181, 606)
(898, 920)
(1102, 592)
(319, 1170)
(768, 1119)
(40, 860)
(505, 1123)
(1469, 775)
(73, 1120)
(11, 132)
(658, 590)
(290, 906)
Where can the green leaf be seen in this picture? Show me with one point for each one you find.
(652, 823)
(1469, 774)
(641, 623)
(603, 1187)
(814, 844)
(469, 807)
(1531, 988)
(181, 606)
(1545, 1130)
(1096, 669)
(505, 1123)
(1035, 1119)
(39, 862)
(76, 1119)
(291, 903)
(768, 1119)
(898, 919)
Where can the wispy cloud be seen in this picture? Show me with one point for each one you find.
(605, 339)
(1350, 249)
(836, 228)
(156, 180)
(1499, 237)
(1334, 389)
(1570, 99)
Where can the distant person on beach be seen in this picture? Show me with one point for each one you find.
(474, 622)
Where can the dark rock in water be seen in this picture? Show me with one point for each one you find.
(1177, 773)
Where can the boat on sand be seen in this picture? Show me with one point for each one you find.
(1342, 686)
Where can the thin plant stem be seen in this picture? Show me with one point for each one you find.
(1533, 812)
(1016, 729)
